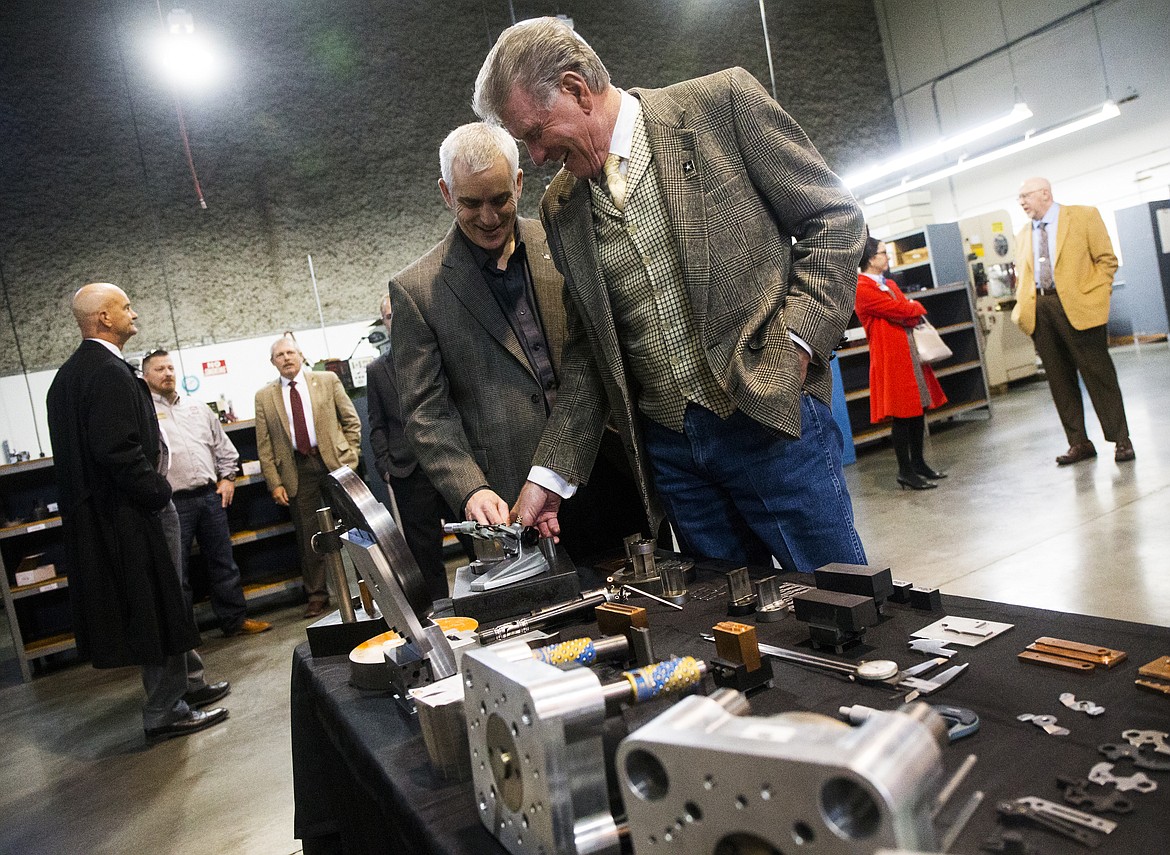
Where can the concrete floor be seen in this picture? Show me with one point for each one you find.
(1006, 525)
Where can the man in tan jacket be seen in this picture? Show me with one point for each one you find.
(1066, 266)
(306, 426)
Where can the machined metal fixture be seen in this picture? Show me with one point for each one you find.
(535, 736)
(706, 777)
(377, 548)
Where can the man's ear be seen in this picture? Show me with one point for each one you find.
(448, 199)
(576, 87)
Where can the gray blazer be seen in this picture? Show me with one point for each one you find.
(741, 183)
(472, 406)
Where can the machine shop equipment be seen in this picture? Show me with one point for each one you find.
(706, 777)
(514, 567)
(535, 736)
(378, 550)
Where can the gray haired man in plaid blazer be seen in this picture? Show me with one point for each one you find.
(710, 264)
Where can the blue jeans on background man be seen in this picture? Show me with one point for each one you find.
(202, 517)
(740, 491)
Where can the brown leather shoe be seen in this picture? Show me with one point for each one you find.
(250, 627)
(1076, 453)
(1124, 451)
(316, 608)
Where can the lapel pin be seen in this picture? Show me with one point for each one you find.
(688, 167)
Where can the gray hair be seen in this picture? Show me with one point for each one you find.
(477, 145)
(532, 55)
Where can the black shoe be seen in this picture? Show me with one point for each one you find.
(195, 721)
(209, 694)
(1124, 452)
(915, 482)
(926, 472)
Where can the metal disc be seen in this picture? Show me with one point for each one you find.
(354, 506)
(877, 669)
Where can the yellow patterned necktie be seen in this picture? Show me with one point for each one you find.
(615, 182)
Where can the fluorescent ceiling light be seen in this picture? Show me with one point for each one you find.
(1019, 113)
(1108, 111)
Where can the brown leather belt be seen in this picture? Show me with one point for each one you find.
(313, 452)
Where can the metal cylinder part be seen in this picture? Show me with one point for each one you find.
(642, 559)
(770, 606)
(674, 583)
(332, 557)
(741, 599)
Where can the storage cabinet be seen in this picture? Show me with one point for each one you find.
(39, 613)
(929, 266)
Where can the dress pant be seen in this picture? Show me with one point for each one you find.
(166, 684)
(737, 490)
(423, 510)
(1067, 352)
(303, 507)
(203, 518)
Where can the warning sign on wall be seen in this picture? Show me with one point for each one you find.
(215, 366)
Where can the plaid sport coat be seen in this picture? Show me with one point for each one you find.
(769, 241)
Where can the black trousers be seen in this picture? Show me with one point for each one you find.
(1067, 352)
(423, 510)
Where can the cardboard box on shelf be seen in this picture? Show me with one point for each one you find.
(31, 570)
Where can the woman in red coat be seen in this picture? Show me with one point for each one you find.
(901, 386)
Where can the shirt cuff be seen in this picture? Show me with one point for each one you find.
(800, 341)
(550, 480)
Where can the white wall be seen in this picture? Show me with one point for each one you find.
(248, 368)
(1059, 74)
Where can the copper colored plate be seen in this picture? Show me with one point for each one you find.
(1159, 668)
(1055, 661)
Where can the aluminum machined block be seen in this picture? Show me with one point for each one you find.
(535, 739)
(699, 779)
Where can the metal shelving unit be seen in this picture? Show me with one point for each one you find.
(39, 615)
(933, 271)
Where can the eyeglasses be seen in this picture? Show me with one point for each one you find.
(1024, 196)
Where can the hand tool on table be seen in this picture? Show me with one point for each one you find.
(883, 671)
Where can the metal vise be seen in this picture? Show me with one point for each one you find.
(504, 553)
(535, 737)
(705, 777)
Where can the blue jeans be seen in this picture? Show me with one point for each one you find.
(203, 518)
(740, 491)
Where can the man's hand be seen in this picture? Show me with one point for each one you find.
(226, 490)
(538, 506)
(805, 359)
(487, 508)
(280, 496)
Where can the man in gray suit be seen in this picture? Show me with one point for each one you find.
(420, 508)
(478, 329)
(710, 264)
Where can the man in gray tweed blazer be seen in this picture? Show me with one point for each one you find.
(710, 263)
(478, 328)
